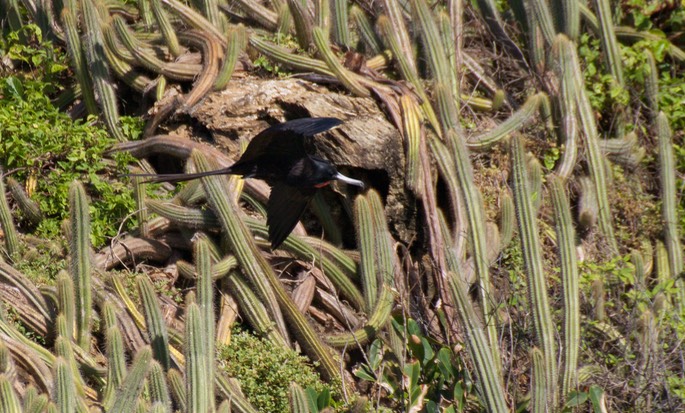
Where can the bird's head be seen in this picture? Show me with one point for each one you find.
(326, 173)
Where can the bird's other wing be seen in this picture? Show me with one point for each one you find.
(285, 139)
(284, 208)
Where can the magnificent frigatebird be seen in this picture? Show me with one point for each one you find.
(277, 155)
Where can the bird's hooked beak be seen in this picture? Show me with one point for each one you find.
(349, 181)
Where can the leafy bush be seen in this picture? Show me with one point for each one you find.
(265, 371)
(45, 149)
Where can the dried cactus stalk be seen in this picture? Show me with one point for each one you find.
(237, 40)
(7, 224)
(211, 51)
(569, 281)
(132, 386)
(157, 385)
(78, 61)
(532, 258)
(15, 279)
(154, 321)
(341, 31)
(367, 35)
(28, 207)
(516, 121)
(340, 72)
(669, 212)
(538, 385)
(478, 346)
(304, 23)
(79, 264)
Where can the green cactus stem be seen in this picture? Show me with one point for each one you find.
(515, 122)
(28, 207)
(154, 321)
(79, 263)
(569, 279)
(367, 35)
(478, 346)
(7, 224)
(532, 258)
(132, 387)
(237, 40)
(669, 212)
(341, 73)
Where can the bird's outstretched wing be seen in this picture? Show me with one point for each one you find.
(285, 207)
(285, 139)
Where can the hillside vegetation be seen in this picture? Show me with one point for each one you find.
(518, 247)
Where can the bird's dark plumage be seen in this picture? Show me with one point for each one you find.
(277, 155)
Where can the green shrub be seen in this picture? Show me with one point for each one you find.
(265, 371)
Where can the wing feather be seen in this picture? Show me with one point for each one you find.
(284, 208)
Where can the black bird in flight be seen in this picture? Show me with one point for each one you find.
(277, 155)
